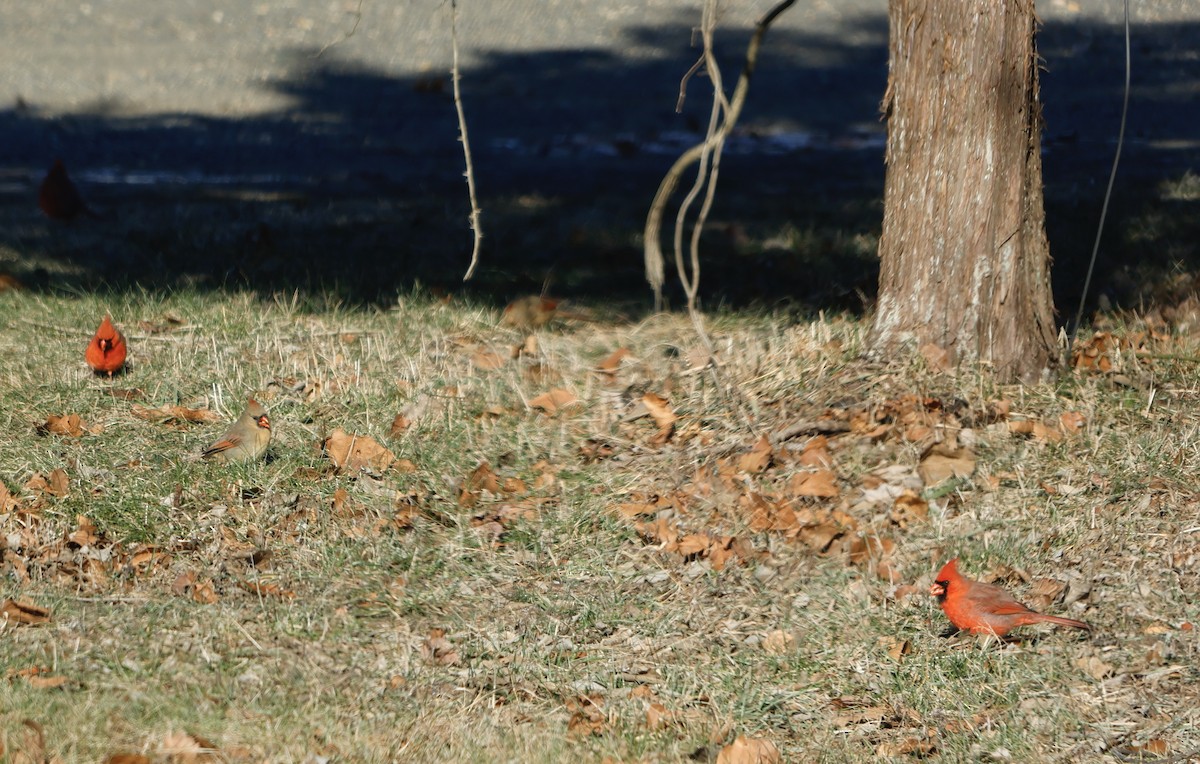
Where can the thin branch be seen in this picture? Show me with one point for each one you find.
(345, 35)
(652, 248)
(683, 82)
(476, 227)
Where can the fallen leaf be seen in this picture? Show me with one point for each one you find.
(694, 544)
(128, 758)
(819, 537)
(1044, 592)
(34, 749)
(909, 746)
(660, 410)
(587, 715)
(779, 642)
(46, 682)
(936, 356)
(482, 478)
(492, 413)
(8, 502)
(1154, 747)
(184, 748)
(267, 589)
(1038, 430)
(1071, 422)
(487, 360)
(23, 613)
(758, 459)
(85, 534)
(816, 453)
(1094, 667)
(356, 452)
(204, 593)
(749, 750)
(57, 483)
(437, 649)
(67, 425)
(610, 365)
(399, 425)
(898, 649)
(819, 484)
(941, 463)
(657, 715)
(183, 583)
(550, 402)
(909, 508)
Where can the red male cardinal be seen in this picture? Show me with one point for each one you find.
(985, 608)
(59, 198)
(106, 352)
(246, 439)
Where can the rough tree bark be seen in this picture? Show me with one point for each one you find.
(964, 261)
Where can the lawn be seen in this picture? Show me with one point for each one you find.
(538, 548)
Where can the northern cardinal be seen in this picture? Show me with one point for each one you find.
(532, 312)
(246, 439)
(106, 352)
(59, 198)
(985, 608)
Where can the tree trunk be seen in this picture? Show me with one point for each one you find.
(964, 261)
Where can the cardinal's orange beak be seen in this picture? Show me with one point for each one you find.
(938, 589)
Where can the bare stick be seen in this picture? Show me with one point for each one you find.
(720, 104)
(652, 249)
(683, 84)
(345, 35)
(462, 136)
(691, 282)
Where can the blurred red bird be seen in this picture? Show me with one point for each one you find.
(59, 198)
(985, 608)
(106, 352)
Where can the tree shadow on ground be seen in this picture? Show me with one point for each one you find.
(356, 190)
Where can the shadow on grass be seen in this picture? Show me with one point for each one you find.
(356, 191)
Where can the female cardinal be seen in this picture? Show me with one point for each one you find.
(526, 313)
(59, 198)
(246, 439)
(985, 608)
(106, 352)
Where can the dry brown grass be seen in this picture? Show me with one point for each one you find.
(530, 621)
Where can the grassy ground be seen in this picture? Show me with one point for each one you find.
(604, 588)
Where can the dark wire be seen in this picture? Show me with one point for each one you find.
(1087, 282)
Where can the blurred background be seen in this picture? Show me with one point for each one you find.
(312, 145)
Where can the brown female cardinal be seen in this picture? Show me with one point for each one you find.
(59, 198)
(106, 352)
(526, 313)
(985, 608)
(246, 439)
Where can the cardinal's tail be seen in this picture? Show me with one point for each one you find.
(1063, 621)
